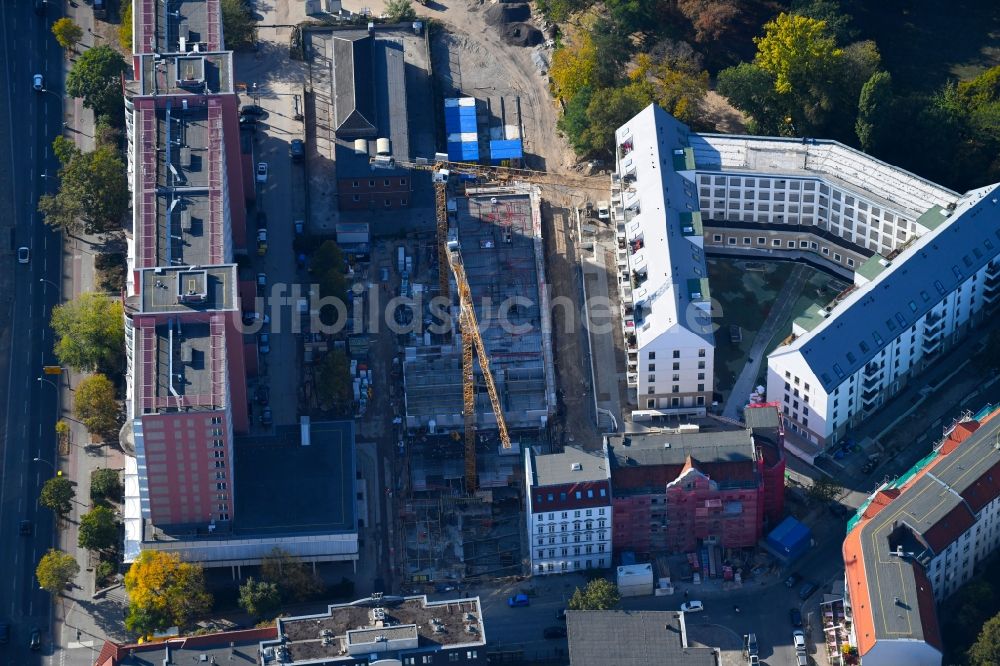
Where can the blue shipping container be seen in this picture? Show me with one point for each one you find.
(509, 149)
(456, 122)
(463, 152)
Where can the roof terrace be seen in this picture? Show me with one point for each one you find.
(180, 366)
(168, 26)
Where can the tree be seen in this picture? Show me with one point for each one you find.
(986, 650)
(610, 108)
(98, 529)
(711, 19)
(89, 333)
(796, 51)
(600, 594)
(65, 149)
(259, 598)
(333, 380)
(96, 77)
(57, 494)
(582, 63)
(162, 591)
(105, 484)
(397, 11)
(678, 91)
(238, 25)
(55, 570)
(751, 90)
(837, 22)
(125, 28)
(328, 266)
(294, 580)
(67, 33)
(874, 112)
(824, 489)
(98, 181)
(96, 405)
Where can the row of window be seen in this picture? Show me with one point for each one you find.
(386, 183)
(453, 656)
(565, 514)
(675, 402)
(791, 245)
(564, 566)
(385, 202)
(588, 550)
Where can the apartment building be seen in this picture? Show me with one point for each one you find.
(922, 259)
(665, 297)
(569, 511)
(405, 631)
(674, 490)
(917, 540)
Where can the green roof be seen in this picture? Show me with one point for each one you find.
(872, 267)
(933, 217)
(684, 159)
(691, 223)
(812, 317)
(698, 289)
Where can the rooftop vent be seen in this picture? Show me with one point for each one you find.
(576, 467)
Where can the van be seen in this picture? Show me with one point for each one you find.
(100, 9)
(518, 600)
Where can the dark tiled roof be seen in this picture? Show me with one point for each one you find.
(632, 638)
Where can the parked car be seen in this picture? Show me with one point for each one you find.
(554, 632)
(792, 580)
(250, 317)
(801, 659)
(807, 590)
(692, 607)
(100, 9)
(753, 660)
(518, 600)
(262, 242)
(603, 211)
(35, 641)
(262, 172)
(23, 255)
(265, 417)
(299, 227)
(795, 617)
(297, 149)
(264, 343)
(252, 110)
(26, 528)
(261, 283)
(799, 640)
(37, 82)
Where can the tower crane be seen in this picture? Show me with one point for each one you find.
(449, 253)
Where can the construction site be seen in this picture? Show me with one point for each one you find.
(462, 512)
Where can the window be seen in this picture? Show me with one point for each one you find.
(355, 198)
(732, 240)
(701, 365)
(701, 353)
(652, 379)
(579, 495)
(776, 242)
(717, 238)
(402, 202)
(791, 243)
(356, 184)
(676, 389)
(761, 240)
(386, 182)
(402, 181)
(677, 353)
(746, 240)
(701, 387)
(652, 367)
(387, 203)
(677, 366)
(652, 356)
(371, 183)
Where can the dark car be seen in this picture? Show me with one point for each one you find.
(265, 417)
(252, 110)
(297, 149)
(26, 528)
(792, 580)
(554, 632)
(807, 590)
(795, 617)
(35, 642)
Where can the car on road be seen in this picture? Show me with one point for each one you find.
(518, 600)
(250, 317)
(264, 343)
(603, 212)
(263, 395)
(561, 614)
(262, 172)
(262, 242)
(37, 82)
(795, 617)
(799, 640)
(35, 641)
(252, 110)
(801, 659)
(299, 226)
(23, 255)
(261, 283)
(807, 590)
(792, 580)
(297, 149)
(26, 528)
(692, 607)
(554, 632)
(265, 417)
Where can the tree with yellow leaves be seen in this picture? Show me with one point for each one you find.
(679, 92)
(163, 591)
(797, 51)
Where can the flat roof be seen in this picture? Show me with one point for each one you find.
(180, 365)
(219, 648)
(180, 219)
(404, 623)
(187, 289)
(284, 487)
(159, 25)
(633, 638)
(660, 447)
(184, 74)
(559, 468)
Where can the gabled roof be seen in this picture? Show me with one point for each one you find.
(354, 93)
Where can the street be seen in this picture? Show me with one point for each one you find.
(28, 123)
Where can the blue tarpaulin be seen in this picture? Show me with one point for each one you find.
(509, 149)
(466, 151)
(789, 540)
(460, 119)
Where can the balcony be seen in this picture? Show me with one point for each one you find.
(631, 378)
(933, 324)
(931, 345)
(869, 396)
(991, 291)
(639, 278)
(871, 382)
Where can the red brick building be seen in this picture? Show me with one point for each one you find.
(675, 491)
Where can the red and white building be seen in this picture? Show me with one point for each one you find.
(569, 511)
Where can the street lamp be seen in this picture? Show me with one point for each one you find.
(48, 381)
(37, 459)
(49, 282)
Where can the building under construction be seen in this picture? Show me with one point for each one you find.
(448, 535)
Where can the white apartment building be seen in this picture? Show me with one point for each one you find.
(568, 511)
(916, 542)
(922, 259)
(665, 297)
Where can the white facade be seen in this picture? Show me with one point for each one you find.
(954, 566)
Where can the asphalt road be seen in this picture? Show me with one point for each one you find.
(28, 123)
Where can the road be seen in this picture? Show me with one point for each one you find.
(28, 123)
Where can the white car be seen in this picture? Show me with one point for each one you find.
(23, 255)
(603, 212)
(38, 82)
(799, 640)
(692, 607)
(262, 172)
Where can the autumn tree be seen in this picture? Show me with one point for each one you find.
(55, 571)
(397, 11)
(89, 333)
(679, 92)
(97, 407)
(574, 66)
(163, 591)
(57, 494)
(259, 598)
(295, 581)
(591, 129)
(96, 78)
(125, 28)
(751, 90)
(986, 650)
(875, 107)
(238, 24)
(599, 594)
(711, 19)
(333, 381)
(98, 529)
(105, 484)
(796, 51)
(67, 33)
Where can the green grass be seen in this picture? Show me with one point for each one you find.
(926, 42)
